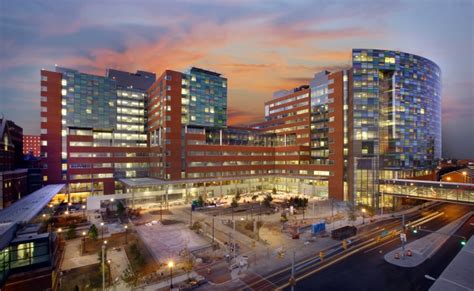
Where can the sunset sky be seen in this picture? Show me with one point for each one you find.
(260, 46)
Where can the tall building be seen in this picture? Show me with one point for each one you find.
(396, 118)
(335, 137)
(92, 128)
(32, 144)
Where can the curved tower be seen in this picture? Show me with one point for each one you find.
(396, 125)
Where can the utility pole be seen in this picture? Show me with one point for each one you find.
(103, 267)
(214, 216)
(292, 279)
(403, 237)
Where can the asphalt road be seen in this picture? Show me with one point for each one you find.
(367, 270)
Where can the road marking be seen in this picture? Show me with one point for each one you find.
(372, 249)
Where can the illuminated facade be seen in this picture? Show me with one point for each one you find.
(396, 124)
(336, 136)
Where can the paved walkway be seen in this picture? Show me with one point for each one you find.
(166, 283)
(72, 256)
(427, 246)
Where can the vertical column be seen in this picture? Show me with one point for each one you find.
(220, 137)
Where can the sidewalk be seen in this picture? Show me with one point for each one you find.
(166, 283)
(427, 246)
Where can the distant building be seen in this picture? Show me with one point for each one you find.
(464, 175)
(32, 144)
(11, 145)
(15, 180)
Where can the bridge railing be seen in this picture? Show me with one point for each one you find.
(460, 192)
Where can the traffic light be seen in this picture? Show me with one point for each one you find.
(463, 242)
(414, 229)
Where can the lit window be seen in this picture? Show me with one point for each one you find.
(63, 92)
(63, 82)
(63, 112)
(45, 178)
(44, 143)
(44, 89)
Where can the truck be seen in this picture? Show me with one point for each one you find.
(344, 232)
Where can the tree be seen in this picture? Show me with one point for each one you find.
(120, 208)
(188, 262)
(130, 278)
(71, 232)
(274, 190)
(267, 201)
(200, 201)
(351, 211)
(234, 203)
(237, 196)
(93, 233)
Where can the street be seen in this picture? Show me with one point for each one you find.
(367, 270)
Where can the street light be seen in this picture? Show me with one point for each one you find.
(102, 230)
(171, 265)
(464, 173)
(83, 242)
(83, 211)
(126, 230)
(214, 216)
(363, 215)
(103, 265)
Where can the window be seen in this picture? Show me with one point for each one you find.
(44, 78)
(44, 119)
(168, 77)
(63, 82)
(44, 89)
(44, 99)
(44, 131)
(168, 88)
(44, 109)
(44, 142)
(63, 92)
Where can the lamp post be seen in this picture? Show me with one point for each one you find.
(126, 231)
(83, 211)
(464, 173)
(214, 216)
(103, 265)
(83, 242)
(171, 265)
(363, 215)
(102, 230)
(60, 230)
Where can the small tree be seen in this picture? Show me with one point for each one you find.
(351, 211)
(130, 278)
(188, 262)
(120, 209)
(71, 232)
(93, 233)
(274, 190)
(267, 201)
(237, 196)
(234, 203)
(200, 201)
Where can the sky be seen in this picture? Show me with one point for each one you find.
(260, 46)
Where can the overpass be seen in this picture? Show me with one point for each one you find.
(428, 190)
